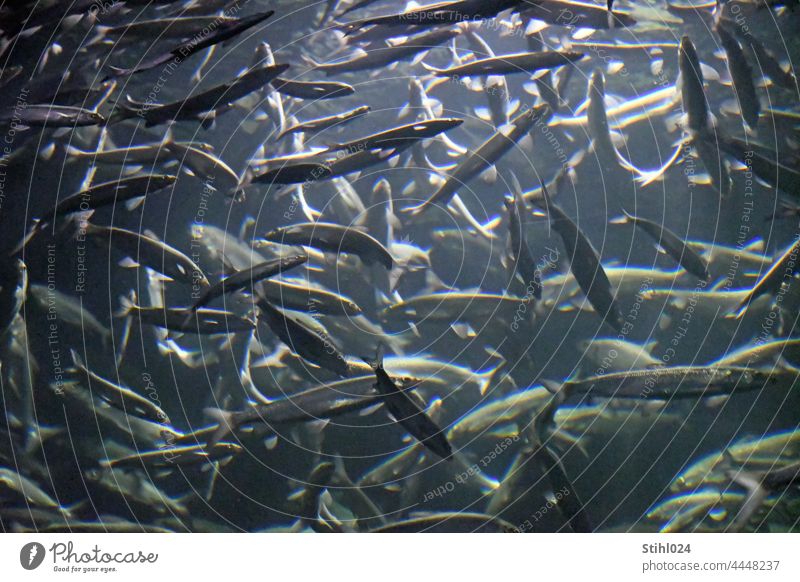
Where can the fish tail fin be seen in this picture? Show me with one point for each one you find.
(123, 340)
(415, 210)
(37, 227)
(72, 151)
(225, 420)
(626, 218)
(377, 362)
(739, 312)
(493, 376)
(492, 224)
(127, 303)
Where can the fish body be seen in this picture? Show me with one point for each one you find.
(335, 239)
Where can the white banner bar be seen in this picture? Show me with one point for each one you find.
(401, 558)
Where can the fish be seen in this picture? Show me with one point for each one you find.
(584, 262)
(772, 281)
(305, 341)
(617, 355)
(182, 320)
(100, 195)
(137, 489)
(214, 172)
(300, 295)
(671, 244)
(323, 123)
(145, 30)
(763, 352)
(511, 64)
(174, 457)
(486, 155)
(408, 414)
(13, 291)
(307, 499)
(401, 136)
(452, 307)
(68, 309)
(519, 405)
(320, 402)
(203, 106)
(695, 103)
(576, 14)
(741, 75)
(462, 522)
(247, 278)
(53, 116)
(221, 32)
(435, 14)
(388, 54)
(118, 395)
(28, 490)
(146, 250)
(521, 255)
(767, 62)
(333, 238)
(311, 89)
(668, 383)
(146, 155)
(766, 164)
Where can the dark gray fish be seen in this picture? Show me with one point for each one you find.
(671, 243)
(569, 503)
(201, 41)
(294, 173)
(766, 61)
(247, 278)
(597, 120)
(199, 106)
(402, 136)
(436, 14)
(183, 320)
(101, 195)
(109, 193)
(521, 255)
(759, 487)
(693, 94)
(383, 56)
(460, 522)
(495, 88)
(301, 296)
(771, 282)
(333, 238)
(325, 401)
(359, 161)
(306, 342)
(742, 76)
(667, 383)
(118, 395)
(148, 251)
(322, 123)
(511, 63)
(311, 89)
(584, 262)
(13, 291)
(174, 457)
(773, 167)
(50, 116)
(486, 155)
(408, 414)
(575, 14)
(307, 499)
